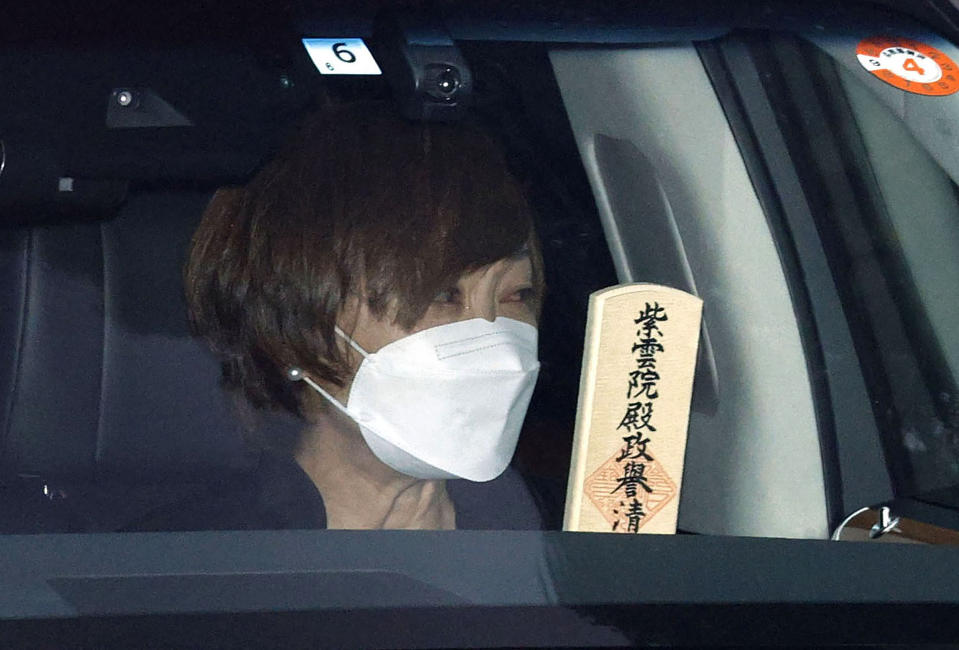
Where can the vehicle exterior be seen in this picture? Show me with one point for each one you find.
(746, 154)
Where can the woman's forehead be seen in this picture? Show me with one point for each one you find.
(518, 263)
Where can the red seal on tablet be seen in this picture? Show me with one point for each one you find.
(627, 509)
(909, 65)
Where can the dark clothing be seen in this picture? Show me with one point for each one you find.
(280, 495)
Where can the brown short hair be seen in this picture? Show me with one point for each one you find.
(360, 202)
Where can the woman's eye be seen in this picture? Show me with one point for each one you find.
(525, 294)
(450, 295)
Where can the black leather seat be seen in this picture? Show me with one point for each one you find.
(108, 407)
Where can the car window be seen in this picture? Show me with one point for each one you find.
(886, 211)
(919, 224)
(649, 160)
(93, 446)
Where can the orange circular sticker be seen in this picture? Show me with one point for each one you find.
(909, 65)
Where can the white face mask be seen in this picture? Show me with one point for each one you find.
(445, 402)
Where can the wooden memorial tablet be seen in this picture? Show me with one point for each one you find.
(635, 388)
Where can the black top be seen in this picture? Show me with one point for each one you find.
(279, 495)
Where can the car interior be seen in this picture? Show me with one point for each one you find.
(639, 167)
(110, 408)
(748, 153)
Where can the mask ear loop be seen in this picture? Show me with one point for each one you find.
(356, 346)
(296, 374)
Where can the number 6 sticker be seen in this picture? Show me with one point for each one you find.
(341, 56)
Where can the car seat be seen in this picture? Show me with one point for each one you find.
(108, 407)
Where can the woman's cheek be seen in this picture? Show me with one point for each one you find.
(521, 311)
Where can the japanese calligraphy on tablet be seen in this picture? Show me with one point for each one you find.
(909, 65)
(341, 56)
(635, 390)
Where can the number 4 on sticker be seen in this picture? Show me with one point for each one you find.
(348, 56)
(912, 66)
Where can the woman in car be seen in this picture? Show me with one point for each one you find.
(381, 281)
